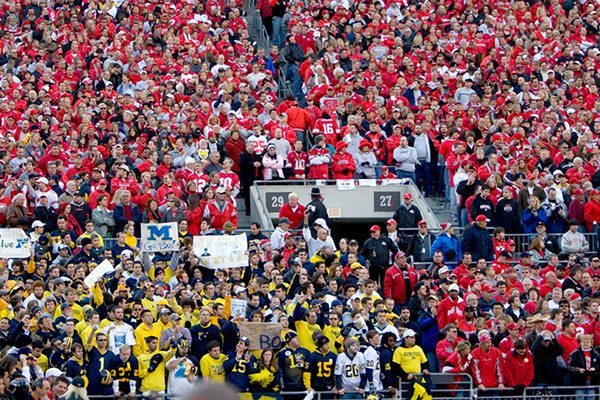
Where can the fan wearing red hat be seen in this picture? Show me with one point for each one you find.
(591, 210)
(478, 241)
(378, 251)
(576, 208)
(507, 344)
(365, 161)
(487, 362)
(342, 163)
(407, 215)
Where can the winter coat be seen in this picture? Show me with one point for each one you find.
(343, 166)
(531, 219)
(557, 215)
(445, 243)
(518, 369)
(397, 284)
(591, 213)
(103, 221)
(365, 164)
(429, 332)
(577, 361)
(16, 217)
(487, 367)
(478, 242)
(416, 246)
(407, 217)
(546, 369)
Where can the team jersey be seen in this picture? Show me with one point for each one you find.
(373, 362)
(179, 382)
(385, 356)
(153, 381)
(409, 359)
(98, 362)
(74, 368)
(293, 364)
(298, 161)
(229, 179)
(213, 368)
(321, 370)
(350, 370)
(124, 373)
(237, 372)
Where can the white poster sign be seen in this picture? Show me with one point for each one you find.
(238, 308)
(105, 267)
(346, 184)
(159, 237)
(14, 243)
(224, 251)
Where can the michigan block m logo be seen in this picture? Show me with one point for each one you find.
(159, 232)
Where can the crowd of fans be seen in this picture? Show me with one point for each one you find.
(121, 113)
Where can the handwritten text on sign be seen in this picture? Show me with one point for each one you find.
(159, 237)
(262, 335)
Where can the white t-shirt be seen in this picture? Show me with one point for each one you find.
(179, 384)
(118, 336)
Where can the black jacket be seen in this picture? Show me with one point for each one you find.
(377, 251)
(407, 217)
(320, 211)
(248, 172)
(478, 242)
(417, 244)
(546, 369)
(577, 361)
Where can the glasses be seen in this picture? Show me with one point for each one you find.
(100, 340)
(595, 260)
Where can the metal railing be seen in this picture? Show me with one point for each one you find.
(444, 386)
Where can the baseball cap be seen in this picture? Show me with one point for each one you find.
(454, 286)
(407, 195)
(37, 224)
(391, 221)
(375, 228)
(408, 333)
(481, 218)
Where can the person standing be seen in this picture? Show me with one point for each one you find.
(477, 240)
(294, 55)
(407, 215)
(250, 170)
(406, 160)
(350, 370)
(487, 364)
(378, 251)
(316, 209)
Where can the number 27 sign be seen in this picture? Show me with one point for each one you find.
(386, 201)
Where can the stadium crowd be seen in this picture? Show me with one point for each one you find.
(122, 113)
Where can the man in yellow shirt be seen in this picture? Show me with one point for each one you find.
(409, 359)
(152, 367)
(211, 364)
(146, 329)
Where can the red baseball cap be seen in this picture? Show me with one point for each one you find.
(391, 221)
(407, 196)
(375, 228)
(102, 182)
(481, 218)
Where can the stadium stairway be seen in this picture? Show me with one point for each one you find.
(257, 31)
